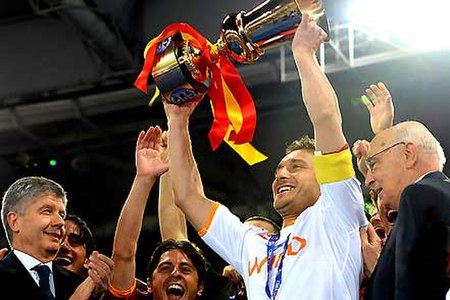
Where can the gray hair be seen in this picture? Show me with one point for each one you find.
(24, 192)
(423, 138)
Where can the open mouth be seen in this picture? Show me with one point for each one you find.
(175, 290)
(379, 229)
(284, 189)
(63, 260)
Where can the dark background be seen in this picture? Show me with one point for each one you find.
(66, 93)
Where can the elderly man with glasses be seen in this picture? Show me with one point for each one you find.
(403, 165)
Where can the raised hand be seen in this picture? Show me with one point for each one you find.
(359, 150)
(100, 270)
(380, 107)
(308, 37)
(151, 157)
(179, 112)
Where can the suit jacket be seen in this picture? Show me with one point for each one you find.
(414, 260)
(17, 283)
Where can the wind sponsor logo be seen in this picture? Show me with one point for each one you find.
(296, 245)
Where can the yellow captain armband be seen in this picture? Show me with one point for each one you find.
(333, 167)
(122, 294)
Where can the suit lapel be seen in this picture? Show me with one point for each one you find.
(19, 271)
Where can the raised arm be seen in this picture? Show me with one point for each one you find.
(150, 164)
(380, 107)
(188, 188)
(172, 222)
(318, 94)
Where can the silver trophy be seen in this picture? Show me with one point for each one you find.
(245, 36)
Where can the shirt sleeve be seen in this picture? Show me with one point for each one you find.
(225, 234)
(341, 207)
(341, 192)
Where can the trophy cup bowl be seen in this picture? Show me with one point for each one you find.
(245, 36)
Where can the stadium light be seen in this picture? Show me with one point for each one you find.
(416, 24)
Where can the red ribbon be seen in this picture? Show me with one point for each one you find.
(221, 69)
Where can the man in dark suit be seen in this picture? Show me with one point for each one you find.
(405, 164)
(17, 283)
(33, 212)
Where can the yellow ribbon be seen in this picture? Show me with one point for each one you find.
(248, 153)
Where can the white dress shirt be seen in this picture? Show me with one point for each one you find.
(30, 262)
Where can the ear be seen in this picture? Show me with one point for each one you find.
(201, 286)
(410, 154)
(13, 221)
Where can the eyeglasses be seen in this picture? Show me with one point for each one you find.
(370, 161)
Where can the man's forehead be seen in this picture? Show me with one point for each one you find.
(44, 199)
(49, 198)
(174, 254)
(48, 201)
(296, 155)
(379, 142)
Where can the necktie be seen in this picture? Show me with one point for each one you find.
(44, 272)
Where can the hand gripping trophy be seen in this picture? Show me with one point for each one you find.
(185, 66)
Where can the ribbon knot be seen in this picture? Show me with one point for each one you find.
(232, 105)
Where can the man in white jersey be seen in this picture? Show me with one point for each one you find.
(317, 254)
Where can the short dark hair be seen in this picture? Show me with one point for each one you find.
(189, 248)
(265, 219)
(85, 233)
(25, 191)
(303, 143)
